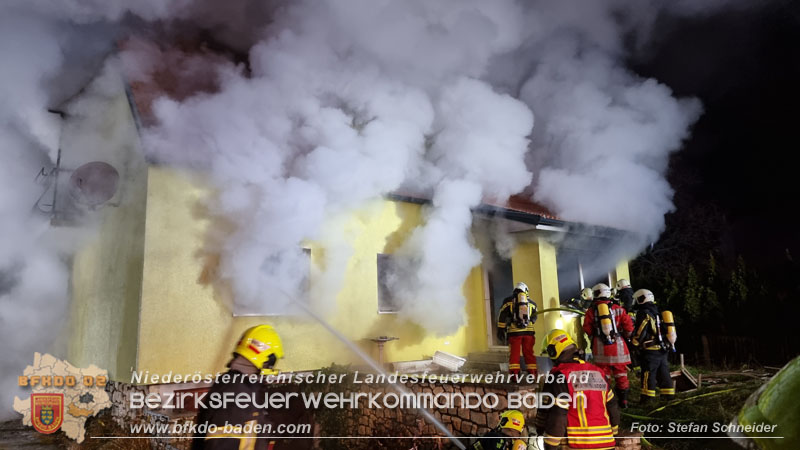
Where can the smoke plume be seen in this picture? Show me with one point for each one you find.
(340, 103)
(33, 280)
(45, 61)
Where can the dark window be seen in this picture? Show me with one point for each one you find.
(387, 271)
(501, 284)
(569, 274)
(578, 269)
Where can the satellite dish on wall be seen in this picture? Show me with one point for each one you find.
(94, 183)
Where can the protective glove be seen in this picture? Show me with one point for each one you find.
(501, 336)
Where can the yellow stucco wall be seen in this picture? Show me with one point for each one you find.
(107, 272)
(143, 300)
(621, 271)
(534, 263)
(185, 322)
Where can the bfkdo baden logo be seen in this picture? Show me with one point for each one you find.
(62, 396)
(48, 412)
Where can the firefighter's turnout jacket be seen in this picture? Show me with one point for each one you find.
(506, 321)
(646, 335)
(496, 440)
(231, 438)
(649, 338)
(625, 297)
(615, 354)
(590, 419)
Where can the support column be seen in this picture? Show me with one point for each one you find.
(534, 263)
(622, 271)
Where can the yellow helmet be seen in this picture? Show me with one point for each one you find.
(512, 419)
(262, 346)
(586, 294)
(557, 341)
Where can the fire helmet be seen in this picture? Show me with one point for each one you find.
(586, 294)
(522, 287)
(512, 419)
(643, 296)
(262, 346)
(557, 342)
(622, 283)
(601, 290)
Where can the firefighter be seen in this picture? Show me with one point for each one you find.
(581, 302)
(652, 340)
(625, 299)
(505, 435)
(256, 354)
(515, 326)
(586, 298)
(608, 325)
(589, 416)
(625, 294)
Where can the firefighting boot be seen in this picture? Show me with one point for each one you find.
(622, 398)
(667, 394)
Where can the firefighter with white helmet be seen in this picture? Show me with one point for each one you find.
(608, 325)
(255, 355)
(505, 436)
(654, 336)
(625, 294)
(590, 419)
(515, 325)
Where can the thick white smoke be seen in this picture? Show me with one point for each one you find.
(33, 279)
(603, 135)
(345, 101)
(45, 61)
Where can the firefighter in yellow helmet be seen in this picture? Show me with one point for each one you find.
(590, 418)
(255, 356)
(506, 435)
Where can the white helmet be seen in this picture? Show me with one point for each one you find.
(601, 290)
(522, 287)
(643, 296)
(586, 294)
(622, 283)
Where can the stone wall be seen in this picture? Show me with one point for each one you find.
(403, 422)
(409, 424)
(125, 417)
(120, 393)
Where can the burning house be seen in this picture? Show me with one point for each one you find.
(149, 294)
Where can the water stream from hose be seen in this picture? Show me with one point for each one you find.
(375, 366)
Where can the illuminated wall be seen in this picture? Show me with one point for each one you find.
(186, 325)
(144, 297)
(106, 277)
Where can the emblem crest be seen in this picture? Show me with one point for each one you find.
(47, 412)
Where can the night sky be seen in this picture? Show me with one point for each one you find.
(736, 179)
